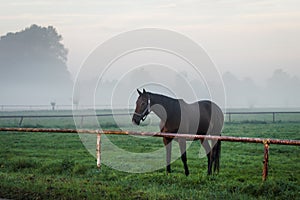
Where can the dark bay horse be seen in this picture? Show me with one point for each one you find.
(177, 116)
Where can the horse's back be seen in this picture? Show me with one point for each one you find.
(211, 117)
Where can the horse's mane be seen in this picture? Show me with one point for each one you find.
(164, 96)
(171, 105)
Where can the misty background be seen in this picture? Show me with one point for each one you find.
(33, 67)
(33, 70)
(254, 43)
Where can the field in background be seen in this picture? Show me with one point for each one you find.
(50, 165)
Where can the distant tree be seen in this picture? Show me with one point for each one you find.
(241, 92)
(34, 60)
(282, 89)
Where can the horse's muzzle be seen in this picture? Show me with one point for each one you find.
(136, 120)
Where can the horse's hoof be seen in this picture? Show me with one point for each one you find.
(187, 173)
(168, 172)
(168, 169)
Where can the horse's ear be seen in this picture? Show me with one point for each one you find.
(144, 91)
(139, 91)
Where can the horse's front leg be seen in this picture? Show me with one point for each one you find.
(168, 145)
(182, 145)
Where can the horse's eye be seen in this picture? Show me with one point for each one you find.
(143, 103)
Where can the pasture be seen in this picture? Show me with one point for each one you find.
(57, 166)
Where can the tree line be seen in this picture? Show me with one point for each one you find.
(33, 66)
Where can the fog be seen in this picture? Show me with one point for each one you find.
(33, 71)
(280, 90)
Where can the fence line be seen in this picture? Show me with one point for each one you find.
(84, 107)
(126, 114)
(265, 141)
(158, 134)
(58, 107)
(273, 113)
(60, 116)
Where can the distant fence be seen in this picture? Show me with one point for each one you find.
(57, 107)
(265, 141)
(229, 115)
(22, 117)
(272, 114)
(33, 107)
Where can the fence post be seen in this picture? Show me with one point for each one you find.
(266, 159)
(81, 121)
(229, 117)
(98, 153)
(20, 122)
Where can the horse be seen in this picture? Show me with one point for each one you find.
(177, 116)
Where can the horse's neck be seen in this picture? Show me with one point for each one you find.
(164, 106)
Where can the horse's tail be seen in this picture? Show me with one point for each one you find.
(216, 154)
(217, 117)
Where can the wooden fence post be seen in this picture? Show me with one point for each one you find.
(98, 153)
(266, 159)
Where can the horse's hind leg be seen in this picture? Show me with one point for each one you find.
(216, 151)
(182, 145)
(207, 148)
(168, 145)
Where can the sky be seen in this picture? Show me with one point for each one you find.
(249, 38)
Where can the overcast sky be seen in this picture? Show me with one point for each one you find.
(246, 37)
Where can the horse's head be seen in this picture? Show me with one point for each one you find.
(142, 108)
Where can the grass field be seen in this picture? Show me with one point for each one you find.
(58, 166)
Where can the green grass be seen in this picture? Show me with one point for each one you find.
(57, 166)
